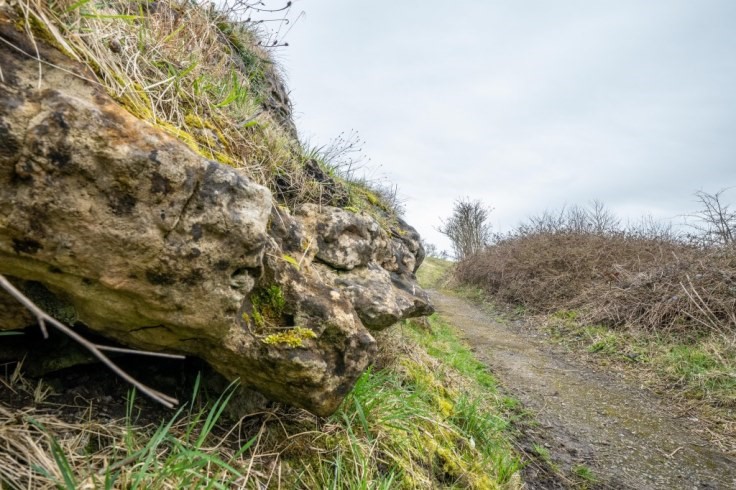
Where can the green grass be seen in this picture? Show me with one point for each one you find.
(699, 367)
(434, 272)
(542, 452)
(185, 451)
(432, 419)
(707, 369)
(584, 473)
(444, 343)
(428, 415)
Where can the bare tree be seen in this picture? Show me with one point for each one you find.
(577, 220)
(601, 220)
(547, 222)
(650, 228)
(430, 249)
(715, 221)
(468, 228)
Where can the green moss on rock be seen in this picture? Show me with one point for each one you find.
(293, 337)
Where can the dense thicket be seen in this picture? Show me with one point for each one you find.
(582, 259)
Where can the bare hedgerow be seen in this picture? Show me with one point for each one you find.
(596, 218)
(645, 277)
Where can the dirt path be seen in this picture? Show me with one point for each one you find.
(626, 435)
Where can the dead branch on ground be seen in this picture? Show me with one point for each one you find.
(45, 319)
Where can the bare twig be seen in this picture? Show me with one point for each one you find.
(44, 318)
(122, 350)
(304, 254)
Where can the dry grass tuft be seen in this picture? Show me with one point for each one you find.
(187, 69)
(203, 76)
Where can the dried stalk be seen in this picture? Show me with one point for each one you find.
(44, 319)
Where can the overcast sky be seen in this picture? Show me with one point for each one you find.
(527, 105)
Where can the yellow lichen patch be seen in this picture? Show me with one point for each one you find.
(293, 337)
(195, 121)
(291, 260)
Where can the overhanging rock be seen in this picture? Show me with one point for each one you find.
(153, 245)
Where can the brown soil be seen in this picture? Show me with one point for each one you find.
(628, 436)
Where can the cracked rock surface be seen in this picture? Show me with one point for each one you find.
(154, 246)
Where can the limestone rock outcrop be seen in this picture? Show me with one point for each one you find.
(373, 268)
(154, 246)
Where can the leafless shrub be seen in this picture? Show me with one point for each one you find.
(643, 275)
(601, 219)
(468, 228)
(430, 249)
(647, 227)
(596, 218)
(715, 222)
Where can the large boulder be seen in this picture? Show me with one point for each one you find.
(146, 242)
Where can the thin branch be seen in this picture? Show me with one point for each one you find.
(44, 318)
(123, 350)
(40, 315)
(40, 60)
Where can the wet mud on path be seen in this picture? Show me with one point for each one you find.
(629, 437)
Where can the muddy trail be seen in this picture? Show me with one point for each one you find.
(629, 437)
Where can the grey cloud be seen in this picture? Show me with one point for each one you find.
(527, 105)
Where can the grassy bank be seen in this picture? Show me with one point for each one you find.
(426, 416)
(435, 273)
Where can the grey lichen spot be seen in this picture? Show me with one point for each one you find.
(241, 280)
